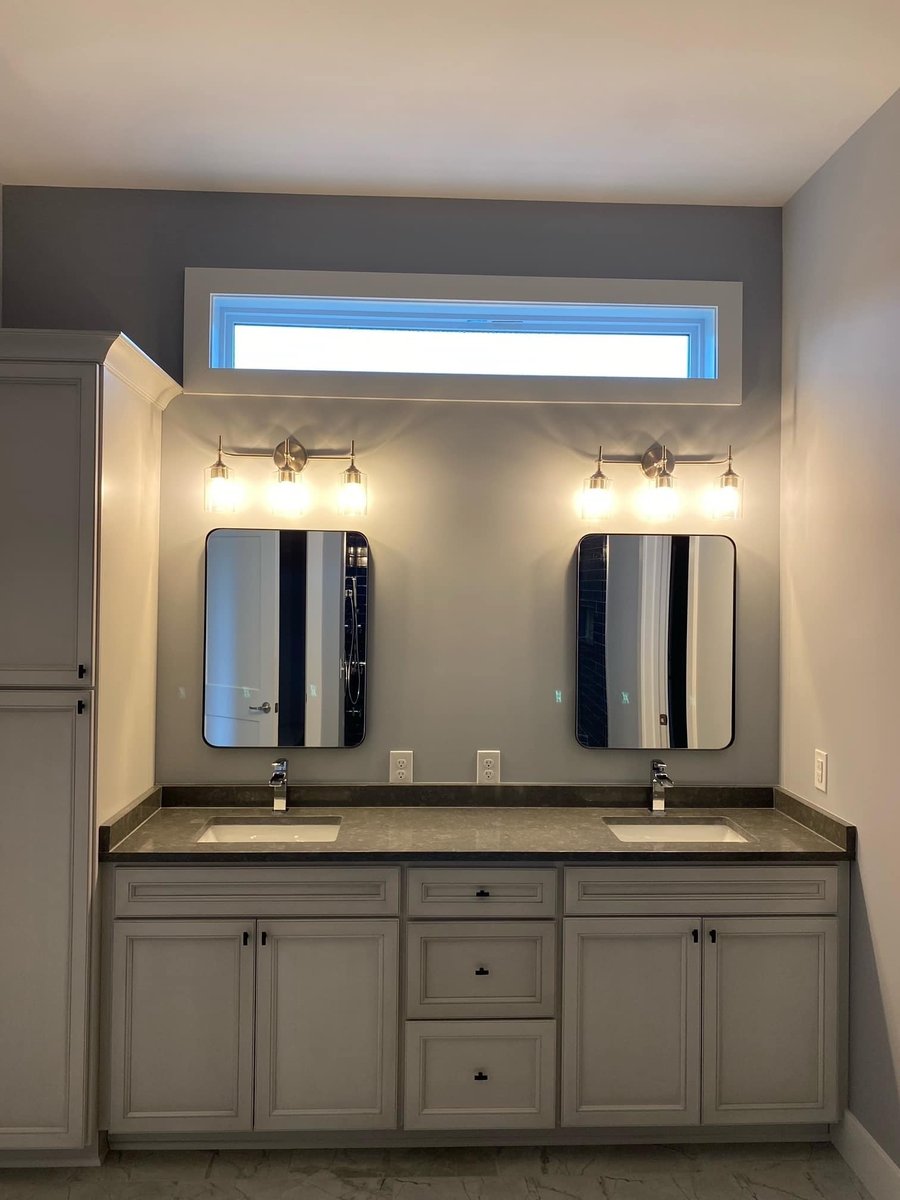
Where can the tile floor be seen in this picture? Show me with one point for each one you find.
(796, 1171)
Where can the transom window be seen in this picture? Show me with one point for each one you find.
(452, 337)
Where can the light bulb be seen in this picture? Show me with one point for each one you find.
(597, 499)
(727, 500)
(354, 499)
(660, 500)
(288, 495)
(219, 490)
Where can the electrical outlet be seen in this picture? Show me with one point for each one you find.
(401, 766)
(820, 776)
(487, 766)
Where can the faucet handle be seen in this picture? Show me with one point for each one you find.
(658, 767)
(280, 764)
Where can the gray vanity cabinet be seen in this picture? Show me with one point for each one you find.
(770, 1020)
(327, 1014)
(182, 1025)
(643, 996)
(195, 1003)
(631, 1021)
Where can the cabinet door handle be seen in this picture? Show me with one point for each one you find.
(265, 707)
(263, 937)
(695, 934)
(245, 939)
(480, 1076)
(482, 971)
(482, 892)
(712, 936)
(82, 670)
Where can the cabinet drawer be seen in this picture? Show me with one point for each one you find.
(701, 890)
(480, 1075)
(488, 969)
(257, 891)
(477, 892)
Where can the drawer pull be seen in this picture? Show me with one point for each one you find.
(480, 1076)
(482, 971)
(482, 892)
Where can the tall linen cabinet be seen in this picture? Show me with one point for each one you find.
(80, 430)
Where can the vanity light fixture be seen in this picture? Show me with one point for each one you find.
(660, 499)
(289, 494)
(354, 500)
(219, 490)
(597, 499)
(727, 500)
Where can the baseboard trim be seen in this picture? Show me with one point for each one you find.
(872, 1165)
(387, 1138)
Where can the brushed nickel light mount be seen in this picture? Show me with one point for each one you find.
(661, 499)
(288, 494)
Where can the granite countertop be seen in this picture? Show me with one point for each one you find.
(528, 834)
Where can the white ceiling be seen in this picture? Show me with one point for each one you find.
(733, 102)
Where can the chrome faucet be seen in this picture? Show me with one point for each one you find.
(279, 783)
(661, 781)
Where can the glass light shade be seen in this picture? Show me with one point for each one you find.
(727, 499)
(219, 489)
(661, 500)
(354, 497)
(597, 499)
(288, 495)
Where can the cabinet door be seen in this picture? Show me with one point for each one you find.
(770, 1025)
(48, 417)
(182, 1025)
(631, 1021)
(46, 882)
(326, 1050)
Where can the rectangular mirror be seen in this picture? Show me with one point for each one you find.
(286, 638)
(655, 666)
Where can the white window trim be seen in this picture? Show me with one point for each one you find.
(201, 283)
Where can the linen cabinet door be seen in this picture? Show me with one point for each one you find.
(631, 1021)
(770, 1023)
(327, 1011)
(182, 1026)
(48, 421)
(46, 882)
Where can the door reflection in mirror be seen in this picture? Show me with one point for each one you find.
(286, 638)
(655, 660)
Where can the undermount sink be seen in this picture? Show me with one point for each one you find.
(255, 831)
(678, 829)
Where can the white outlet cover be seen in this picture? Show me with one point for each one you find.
(401, 766)
(487, 766)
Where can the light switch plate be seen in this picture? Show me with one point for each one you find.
(820, 777)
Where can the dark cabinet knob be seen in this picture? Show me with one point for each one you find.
(482, 971)
(482, 892)
(480, 1076)
(695, 934)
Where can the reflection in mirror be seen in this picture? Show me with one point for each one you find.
(286, 638)
(655, 641)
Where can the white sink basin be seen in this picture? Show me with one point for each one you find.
(232, 832)
(675, 831)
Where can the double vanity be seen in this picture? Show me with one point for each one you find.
(449, 972)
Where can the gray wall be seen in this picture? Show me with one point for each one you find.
(841, 566)
(472, 523)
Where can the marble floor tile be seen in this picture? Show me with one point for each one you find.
(737, 1171)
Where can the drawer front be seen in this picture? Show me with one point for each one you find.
(488, 969)
(473, 892)
(257, 891)
(480, 1075)
(699, 890)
